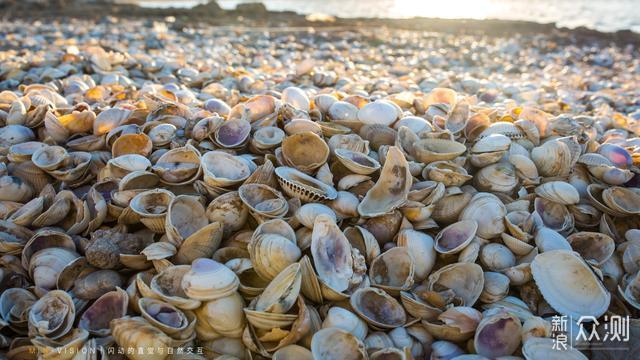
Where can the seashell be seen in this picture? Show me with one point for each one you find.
(430, 150)
(298, 184)
(122, 165)
(185, 216)
(447, 173)
(445, 350)
(377, 308)
(296, 97)
(334, 343)
(392, 187)
(132, 144)
(498, 335)
(455, 324)
(593, 247)
(281, 293)
(465, 279)
(15, 134)
(553, 158)
(332, 256)
(542, 348)
(378, 113)
(547, 239)
(292, 352)
(52, 315)
(455, 237)
(167, 285)
(71, 343)
(110, 119)
(222, 169)
(179, 166)
(575, 290)
(345, 320)
(224, 315)
(263, 201)
(307, 214)
(488, 211)
(496, 287)
(166, 317)
(419, 245)
(152, 206)
(96, 319)
(272, 252)
(559, 191)
(232, 134)
(497, 257)
(94, 284)
(342, 110)
(14, 308)
(136, 332)
(295, 154)
(393, 270)
(554, 215)
(201, 244)
(378, 135)
(458, 118)
(498, 177)
(357, 162)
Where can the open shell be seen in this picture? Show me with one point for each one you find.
(465, 279)
(391, 189)
(295, 151)
(569, 285)
(298, 184)
(223, 169)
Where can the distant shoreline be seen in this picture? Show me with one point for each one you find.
(256, 15)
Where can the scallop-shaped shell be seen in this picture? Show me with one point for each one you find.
(298, 184)
(430, 150)
(455, 237)
(569, 285)
(334, 343)
(135, 333)
(179, 166)
(223, 169)
(465, 279)
(357, 162)
(378, 308)
(391, 189)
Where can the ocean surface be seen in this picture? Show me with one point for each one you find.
(603, 15)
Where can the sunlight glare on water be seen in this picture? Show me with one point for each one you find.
(604, 15)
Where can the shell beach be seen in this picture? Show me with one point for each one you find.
(222, 192)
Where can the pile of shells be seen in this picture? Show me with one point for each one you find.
(303, 211)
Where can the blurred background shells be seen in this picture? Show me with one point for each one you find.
(312, 195)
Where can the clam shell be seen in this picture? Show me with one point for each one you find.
(298, 184)
(569, 285)
(391, 189)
